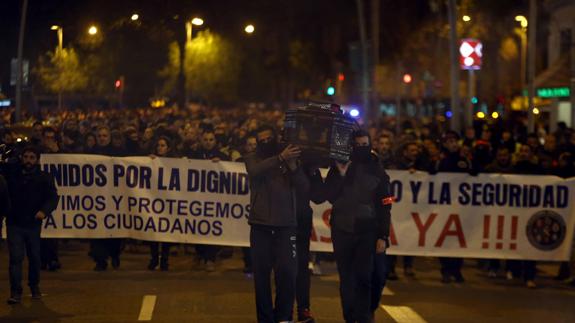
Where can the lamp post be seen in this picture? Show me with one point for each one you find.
(522, 33)
(249, 29)
(189, 25)
(59, 49)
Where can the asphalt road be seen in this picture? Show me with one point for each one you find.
(187, 293)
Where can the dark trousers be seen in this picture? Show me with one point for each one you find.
(525, 268)
(207, 252)
(23, 241)
(247, 256)
(274, 248)
(104, 248)
(49, 251)
(378, 278)
(354, 257)
(451, 266)
(155, 251)
(303, 275)
(392, 261)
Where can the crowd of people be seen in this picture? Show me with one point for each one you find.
(231, 134)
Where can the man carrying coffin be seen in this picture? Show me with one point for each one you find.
(274, 176)
(359, 191)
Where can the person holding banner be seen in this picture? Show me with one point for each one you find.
(274, 176)
(102, 249)
(453, 162)
(208, 150)
(359, 191)
(163, 148)
(33, 196)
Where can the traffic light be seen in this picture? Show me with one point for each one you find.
(330, 91)
(118, 84)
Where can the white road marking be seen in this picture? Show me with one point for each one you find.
(403, 314)
(387, 292)
(147, 310)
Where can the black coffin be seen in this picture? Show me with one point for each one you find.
(322, 131)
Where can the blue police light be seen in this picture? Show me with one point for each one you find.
(330, 90)
(354, 113)
(449, 114)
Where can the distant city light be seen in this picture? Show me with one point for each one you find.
(407, 78)
(474, 100)
(535, 111)
(495, 115)
(250, 29)
(449, 114)
(4, 103)
(480, 115)
(341, 77)
(466, 18)
(330, 90)
(135, 17)
(93, 30)
(55, 27)
(354, 113)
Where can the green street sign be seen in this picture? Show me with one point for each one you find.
(553, 92)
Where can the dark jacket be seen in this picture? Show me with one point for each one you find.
(4, 199)
(30, 192)
(273, 191)
(315, 193)
(455, 163)
(361, 200)
(208, 154)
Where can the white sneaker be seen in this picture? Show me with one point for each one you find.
(509, 275)
(316, 270)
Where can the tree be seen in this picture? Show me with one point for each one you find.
(211, 68)
(61, 71)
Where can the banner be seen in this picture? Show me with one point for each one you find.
(198, 201)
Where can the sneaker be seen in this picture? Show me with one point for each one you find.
(492, 274)
(408, 272)
(304, 316)
(210, 266)
(36, 294)
(116, 262)
(14, 299)
(316, 270)
(509, 275)
(530, 284)
(392, 276)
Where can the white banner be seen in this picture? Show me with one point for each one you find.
(197, 201)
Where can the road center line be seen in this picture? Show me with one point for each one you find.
(147, 310)
(403, 314)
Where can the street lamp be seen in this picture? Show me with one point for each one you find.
(249, 29)
(60, 32)
(466, 18)
(197, 21)
(93, 30)
(135, 17)
(522, 33)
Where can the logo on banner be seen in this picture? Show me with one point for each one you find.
(546, 230)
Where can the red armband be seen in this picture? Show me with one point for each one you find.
(387, 200)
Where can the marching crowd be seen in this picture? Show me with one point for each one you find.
(234, 134)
